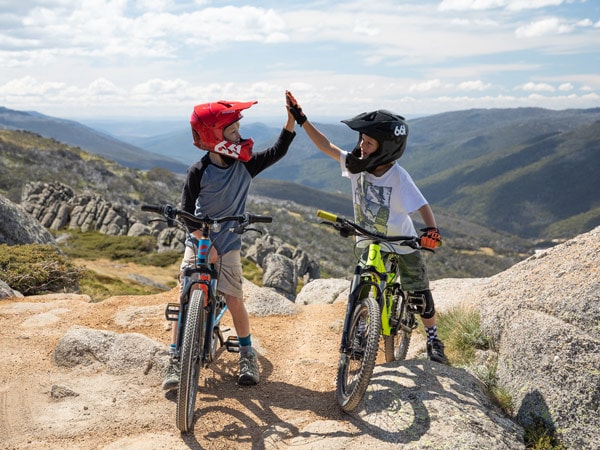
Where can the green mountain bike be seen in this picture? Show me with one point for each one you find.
(377, 306)
(200, 310)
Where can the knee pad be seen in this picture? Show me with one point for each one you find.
(424, 301)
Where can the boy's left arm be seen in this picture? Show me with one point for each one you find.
(427, 215)
(431, 237)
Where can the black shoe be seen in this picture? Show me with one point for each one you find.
(435, 351)
(248, 370)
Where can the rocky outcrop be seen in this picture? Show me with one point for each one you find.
(6, 291)
(282, 264)
(544, 314)
(57, 206)
(17, 227)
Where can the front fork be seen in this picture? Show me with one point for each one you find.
(360, 283)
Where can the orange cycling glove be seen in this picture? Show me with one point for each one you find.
(431, 238)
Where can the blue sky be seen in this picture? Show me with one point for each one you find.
(157, 58)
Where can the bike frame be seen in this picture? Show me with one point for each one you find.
(203, 276)
(371, 273)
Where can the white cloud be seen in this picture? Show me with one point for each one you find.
(537, 87)
(565, 87)
(425, 86)
(519, 5)
(463, 5)
(161, 56)
(30, 86)
(102, 86)
(510, 5)
(476, 85)
(549, 25)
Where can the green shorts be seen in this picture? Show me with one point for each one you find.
(411, 269)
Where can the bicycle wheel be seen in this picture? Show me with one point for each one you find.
(356, 367)
(191, 355)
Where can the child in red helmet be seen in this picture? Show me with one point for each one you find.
(216, 186)
(384, 195)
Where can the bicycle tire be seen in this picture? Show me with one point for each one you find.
(396, 346)
(355, 369)
(191, 356)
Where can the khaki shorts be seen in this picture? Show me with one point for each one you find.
(229, 269)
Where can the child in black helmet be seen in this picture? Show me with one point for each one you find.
(384, 195)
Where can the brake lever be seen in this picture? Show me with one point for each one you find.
(241, 229)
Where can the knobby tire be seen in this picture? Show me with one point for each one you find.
(355, 369)
(191, 356)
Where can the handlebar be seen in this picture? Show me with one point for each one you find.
(170, 212)
(348, 228)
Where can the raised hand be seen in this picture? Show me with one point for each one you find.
(295, 108)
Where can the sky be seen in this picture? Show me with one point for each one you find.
(147, 59)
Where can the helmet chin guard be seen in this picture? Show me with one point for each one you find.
(208, 121)
(388, 129)
(242, 150)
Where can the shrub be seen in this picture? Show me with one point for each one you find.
(100, 287)
(38, 269)
(95, 245)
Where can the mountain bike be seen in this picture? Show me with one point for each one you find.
(198, 315)
(377, 306)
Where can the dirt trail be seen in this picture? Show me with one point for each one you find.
(46, 407)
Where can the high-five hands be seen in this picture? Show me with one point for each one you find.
(295, 108)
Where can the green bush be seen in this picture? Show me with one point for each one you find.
(100, 287)
(94, 245)
(38, 269)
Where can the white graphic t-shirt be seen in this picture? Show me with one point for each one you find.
(383, 204)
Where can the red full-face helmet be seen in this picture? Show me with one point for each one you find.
(208, 121)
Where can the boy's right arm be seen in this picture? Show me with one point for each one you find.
(318, 138)
(321, 141)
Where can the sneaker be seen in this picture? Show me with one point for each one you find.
(248, 370)
(435, 351)
(172, 373)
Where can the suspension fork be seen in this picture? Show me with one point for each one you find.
(360, 281)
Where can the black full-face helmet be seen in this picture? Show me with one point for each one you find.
(388, 129)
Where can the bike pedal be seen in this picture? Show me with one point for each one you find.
(172, 311)
(232, 344)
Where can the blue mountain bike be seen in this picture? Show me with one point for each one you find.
(200, 310)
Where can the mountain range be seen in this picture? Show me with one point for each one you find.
(529, 172)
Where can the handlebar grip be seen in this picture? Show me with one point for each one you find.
(327, 215)
(168, 211)
(260, 219)
(153, 208)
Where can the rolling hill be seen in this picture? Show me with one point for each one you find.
(78, 135)
(529, 172)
